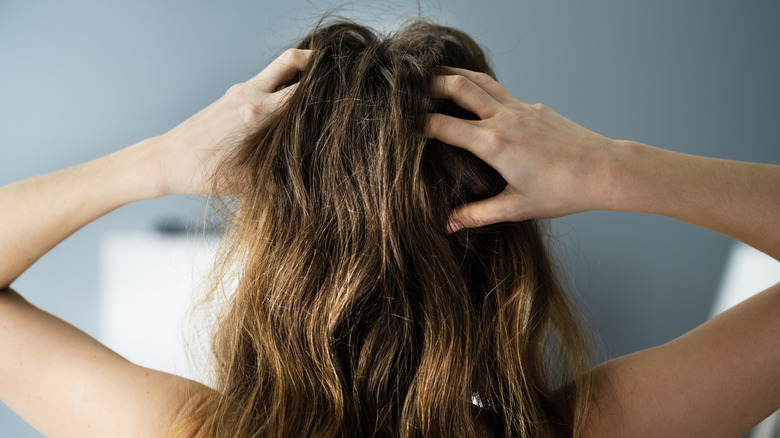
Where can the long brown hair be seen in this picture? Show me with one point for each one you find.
(356, 314)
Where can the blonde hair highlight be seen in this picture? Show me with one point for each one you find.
(355, 313)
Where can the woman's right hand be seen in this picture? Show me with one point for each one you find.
(553, 167)
(190, 153)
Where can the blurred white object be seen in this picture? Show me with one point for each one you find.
(148, 284)
(748, 271)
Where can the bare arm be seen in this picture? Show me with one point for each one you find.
(41, 212)
(56, 377)
(718, 380)
(66, 384)
(737, 199)
(722, 378)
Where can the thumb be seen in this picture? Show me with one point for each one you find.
(278, 98)
(480, 213)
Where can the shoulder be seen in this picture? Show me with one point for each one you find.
(66, 384)
(190, 419)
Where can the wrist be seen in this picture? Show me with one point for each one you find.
(144, 177)
(642, 177)
(607, 179)
(623, 169)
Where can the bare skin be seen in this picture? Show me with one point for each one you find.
(718, 380)
(57, 378)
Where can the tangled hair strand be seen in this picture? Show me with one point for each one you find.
(356, 314)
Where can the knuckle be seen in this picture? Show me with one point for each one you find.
(238, 92)
(540, 107)
(234, 90)
(293, 56)
(460, 82)
(494, 139)
(251, 112)
(482, 78)
(288, 55)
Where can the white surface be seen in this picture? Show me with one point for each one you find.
(148, 285)
(748, 271)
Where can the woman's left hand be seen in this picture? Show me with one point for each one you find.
(188, 155)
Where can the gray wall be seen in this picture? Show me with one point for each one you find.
(80, 79)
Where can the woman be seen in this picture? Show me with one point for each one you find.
(390, 282)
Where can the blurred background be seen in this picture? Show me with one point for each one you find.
(80, 79)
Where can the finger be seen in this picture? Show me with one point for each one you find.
(280, 97)
(480, 213)
(258, 112)
(486, 82)
(466, 134)
(282, 70)
(466, 94)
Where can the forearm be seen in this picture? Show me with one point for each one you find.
(740, 200)
(719, 379)
(40, 212)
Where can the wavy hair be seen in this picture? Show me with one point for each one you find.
(356, 314)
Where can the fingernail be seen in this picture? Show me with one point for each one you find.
(452, 227)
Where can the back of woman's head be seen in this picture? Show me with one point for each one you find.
(356, 314)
